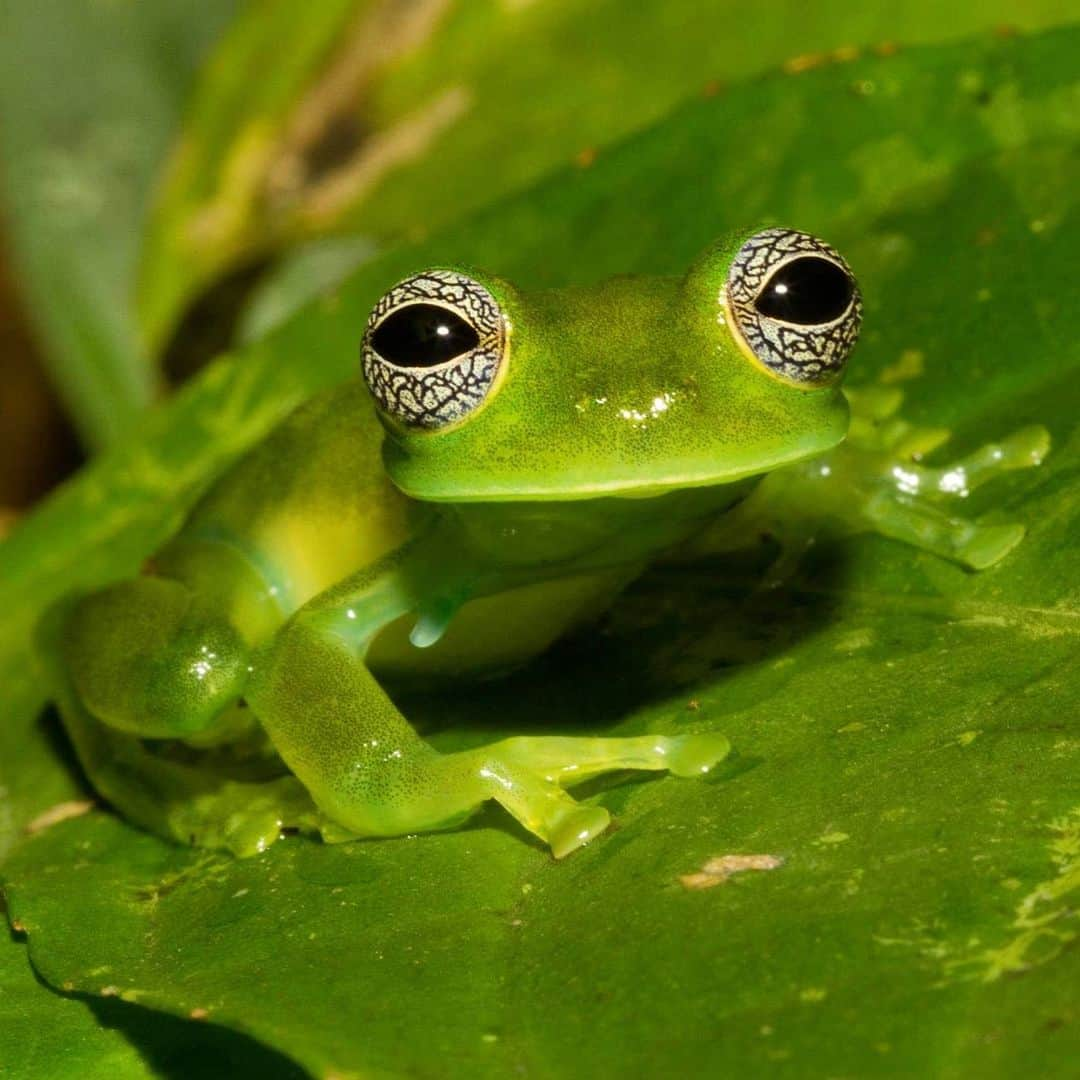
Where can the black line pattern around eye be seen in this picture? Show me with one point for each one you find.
(806, 354)
(443, 394)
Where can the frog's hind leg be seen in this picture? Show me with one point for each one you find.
(181, 801)
(369, 771)
(150, 658)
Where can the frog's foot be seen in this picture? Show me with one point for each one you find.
(179, 801)
(877, 481)
(245, 818)
(915, 522)
(529, 775)
(908, 506)
(1023, 449)
(545, 809)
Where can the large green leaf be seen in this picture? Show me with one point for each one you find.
(905, 734)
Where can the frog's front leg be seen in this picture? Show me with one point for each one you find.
(908, 501)
(369, 771)
(876, 481)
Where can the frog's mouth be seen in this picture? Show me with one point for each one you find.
(624, 482)
(714, 440)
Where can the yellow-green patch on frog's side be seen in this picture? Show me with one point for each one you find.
(540, 451)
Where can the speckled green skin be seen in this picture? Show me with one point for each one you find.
(626, 422)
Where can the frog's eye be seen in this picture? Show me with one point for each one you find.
(433, 348)
(794, 304)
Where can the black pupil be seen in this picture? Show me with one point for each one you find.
(423, 335)
(807, 290)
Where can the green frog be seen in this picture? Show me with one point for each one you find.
(507, 463)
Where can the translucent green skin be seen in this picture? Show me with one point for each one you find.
(627, 420)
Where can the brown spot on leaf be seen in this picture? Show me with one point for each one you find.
(585, 157)
(719, 868)
(796, 65)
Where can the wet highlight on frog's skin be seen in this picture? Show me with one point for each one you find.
(507, 464)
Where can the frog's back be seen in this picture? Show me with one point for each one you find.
(308, 505)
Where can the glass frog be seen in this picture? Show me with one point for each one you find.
(527, 456)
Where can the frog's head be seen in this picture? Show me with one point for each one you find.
(636, 386)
